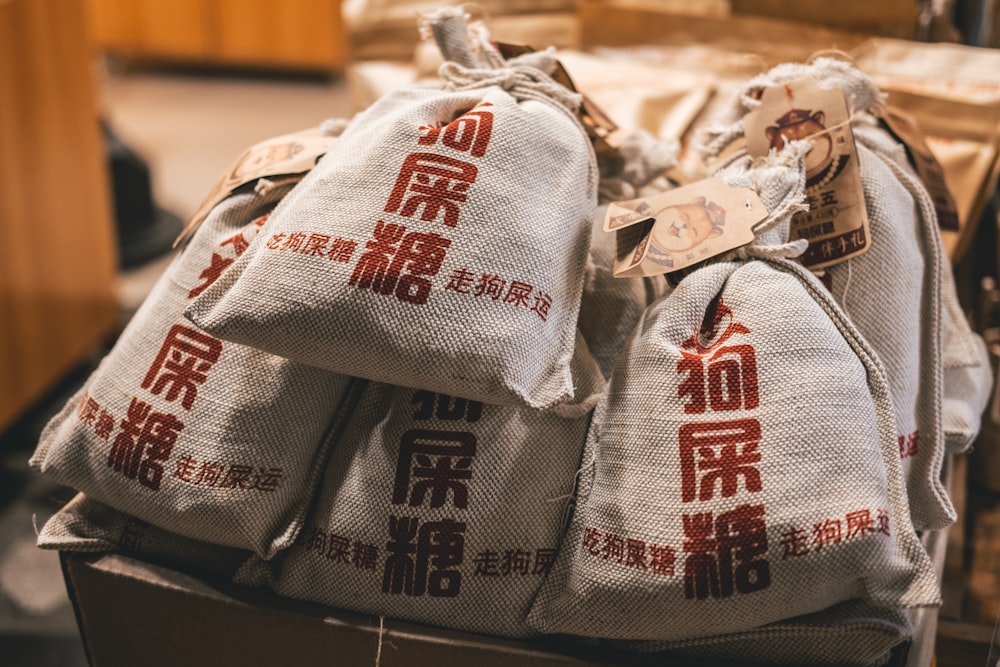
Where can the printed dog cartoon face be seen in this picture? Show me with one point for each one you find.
(688, 225)
(804, 124)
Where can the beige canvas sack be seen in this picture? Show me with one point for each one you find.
(852, 633)
(438, 509)
(88, 526)
(207, 439)
(892, 292)
(742, 468)
(464, 216)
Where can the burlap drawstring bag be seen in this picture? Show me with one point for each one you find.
(203, 438)
(892, 292)
(611, 307)
(463, 214)
(743, 467)
(852, 633)
(439, 510)
(968, 375)
(87, 526)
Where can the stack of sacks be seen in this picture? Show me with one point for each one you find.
(742, 488)
(202, 438)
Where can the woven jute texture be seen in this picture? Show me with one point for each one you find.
(743, 467)
(892, 292)
(86, 525)
(439, 510)
(458, 223)
(849, 633)
(208, 439)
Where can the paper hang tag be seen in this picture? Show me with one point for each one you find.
(836, 224)
(904, 128)
(676, 229)
(295, 153)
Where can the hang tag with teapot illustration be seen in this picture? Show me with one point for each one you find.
(836, 224)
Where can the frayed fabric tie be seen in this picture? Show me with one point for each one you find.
(522, 81)
(789, 250)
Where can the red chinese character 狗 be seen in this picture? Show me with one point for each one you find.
(469, 133)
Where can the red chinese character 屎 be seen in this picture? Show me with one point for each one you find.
(216, 266)
(662, 559)
(826, 532)
(469, 132)
(316, 245)
(490, 285)
(435, 182)
(145, 441)
(544, 558)
(104, 426)
(364, 556)
(338, 549)
(441, 464)
(882, 521)
(274, 243)
(87, 409)
(182, 364)
(519, 294)
(742, 538)
(543, 302)
(795, 543)
(461, 281)
(859, 524)
(592, 540)
(635, 554)
(613, 547)
(719, 451)
(341, 250)
(487, 564)
(267, 479)
(237, 477)
(185, 469)
(515, 561)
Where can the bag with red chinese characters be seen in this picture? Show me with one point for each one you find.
(439, 510)
(87, 526)
(207, 439)
(891, 292)
(460, 219)
(742, 467)
(853, 633)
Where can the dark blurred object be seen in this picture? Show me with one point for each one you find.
(145, 231)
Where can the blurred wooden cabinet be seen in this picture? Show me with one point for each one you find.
(303, 34)
(57, 256)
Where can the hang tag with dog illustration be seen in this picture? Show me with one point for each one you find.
(681, 227)
(836, 224)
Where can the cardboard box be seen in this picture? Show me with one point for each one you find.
(134, 613)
